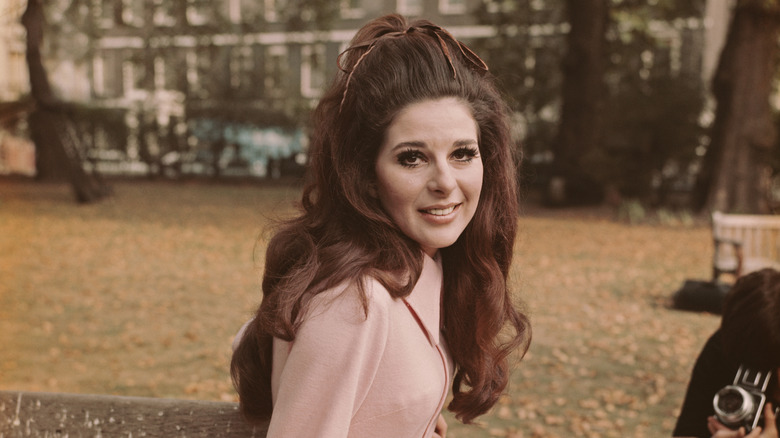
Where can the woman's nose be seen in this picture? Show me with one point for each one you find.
(442, 178)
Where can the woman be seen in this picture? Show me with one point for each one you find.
(391, 284)
(749, 336)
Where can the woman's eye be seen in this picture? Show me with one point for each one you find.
(410, 158)
(465, 154)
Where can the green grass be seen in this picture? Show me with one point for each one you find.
(141, 295)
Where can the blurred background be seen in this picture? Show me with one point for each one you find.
(180, 128)
(665, 103)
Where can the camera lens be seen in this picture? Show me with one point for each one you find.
(732, 404)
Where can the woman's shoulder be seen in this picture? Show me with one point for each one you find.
(355, 300)
(370, 293)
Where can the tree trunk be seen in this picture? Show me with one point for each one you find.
(581, 126)
(735, 172)
(53, 132)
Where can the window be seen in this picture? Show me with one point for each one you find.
(242, 69)
(175, 70)
(251, 11)
(107, 72)
(233, 10)
(17, 78)
(193, 77)
(276, 71)
(159, 73)
(133, 13)
(200, 76)
(197, 12)
(312, 70)
(351, 9)
(168, 73)
(163, 13)
(410, 7)
(103, 14)
(504, 6)
(98, 88)
(239, 11)
(130, 76)
(274, 10)
(452, 6)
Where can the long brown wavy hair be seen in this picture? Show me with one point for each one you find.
(343, 234)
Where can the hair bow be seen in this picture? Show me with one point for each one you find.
(441, 35)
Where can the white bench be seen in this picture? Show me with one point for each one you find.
(744, 243)
(45, 414)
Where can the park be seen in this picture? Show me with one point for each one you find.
(141, 295)
(180, 130)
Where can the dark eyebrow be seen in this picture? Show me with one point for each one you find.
(421, 144)
(409, 144)
(465, 142)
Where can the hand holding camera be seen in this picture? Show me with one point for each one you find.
(719, 430)
(741, 404)
(740, 408)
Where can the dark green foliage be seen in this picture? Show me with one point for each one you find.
(653, 108)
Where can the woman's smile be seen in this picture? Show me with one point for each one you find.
(440, 213)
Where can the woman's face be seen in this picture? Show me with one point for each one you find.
(429, 171)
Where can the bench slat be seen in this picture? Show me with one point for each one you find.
(42, 414)
(758, 239)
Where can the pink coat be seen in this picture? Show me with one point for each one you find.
(348, 375)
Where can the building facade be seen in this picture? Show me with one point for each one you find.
(220, 86)
(203, 86)
(13, 66)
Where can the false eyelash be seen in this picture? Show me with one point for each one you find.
(408, 154)
(468, 151)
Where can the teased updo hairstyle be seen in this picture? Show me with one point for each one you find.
(750, 325)
(343, 234)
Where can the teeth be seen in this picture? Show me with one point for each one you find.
(440, 211)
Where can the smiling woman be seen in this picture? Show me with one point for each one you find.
(390, 285)
(429, 174)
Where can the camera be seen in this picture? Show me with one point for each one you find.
(742, 403)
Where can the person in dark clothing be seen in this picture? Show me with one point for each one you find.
(749, 336)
